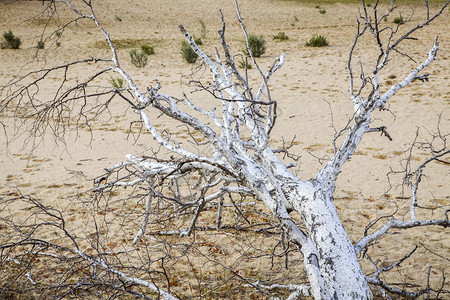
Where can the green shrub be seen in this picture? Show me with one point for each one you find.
(58, 33)
(242, 65)
(322, 11)
(147, 49)
(317, 6)
(399, 20)
(317, 41)
(281, 36)
(257, 45)
(198, 41)
(139, 59)
(369, 5)
(117, 82)
(203, 30)
(11, 41)
(118, 18)
(187, 52)
(40, 45)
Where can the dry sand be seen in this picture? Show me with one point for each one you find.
(311, 90)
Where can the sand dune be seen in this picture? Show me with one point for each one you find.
(311, 90)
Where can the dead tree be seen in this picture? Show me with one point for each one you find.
(239, 160)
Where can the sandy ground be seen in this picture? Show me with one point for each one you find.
(311, 90)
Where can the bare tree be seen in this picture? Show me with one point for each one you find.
(229, 162)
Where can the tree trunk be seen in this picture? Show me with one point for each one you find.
(337, 259)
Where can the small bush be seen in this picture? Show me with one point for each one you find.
(118, 18)
(399, 20)
(58, 44)
(281, 36)
(322, 11)
(198, 41)
(257, 45)
(187, 52)
(58, 33)
(117, 82)
(203, 30)
(139, 59)
(369, 5)
(11, 41)
(242, 65)
(147, 49)
(317, 6)
(317, 41)
(40, 45)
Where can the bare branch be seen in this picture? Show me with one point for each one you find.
(393, 223)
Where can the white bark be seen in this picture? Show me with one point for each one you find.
(148, 206)
(336, 257)
(393, 223)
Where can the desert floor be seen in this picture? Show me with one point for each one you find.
(311, 89)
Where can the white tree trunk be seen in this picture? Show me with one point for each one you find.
(337, 257)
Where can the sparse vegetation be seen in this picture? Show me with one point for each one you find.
(281, 36)
(40, 44)
(399, 20)
(188, 53)
(58, 33)
(117, 82)
(257, 45)
(322, 11)
(243, 64)
(118, 18)
(317, 41)
(147, 49)
(203, 31)
(198, 41)
(11, 41)
(139, 59)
